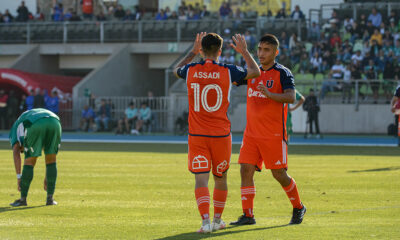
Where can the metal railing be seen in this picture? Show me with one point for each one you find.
(360, 91)
(166, 110)
(354, 10)
(138, 31)
(158, 105)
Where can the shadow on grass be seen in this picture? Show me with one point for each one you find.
(376, 170)
(9, 209)
(228, 230)
(183, 148)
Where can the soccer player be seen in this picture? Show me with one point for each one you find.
(300, 100)
(208, 85)
(33, 131)
(396, 110)
(265, 139)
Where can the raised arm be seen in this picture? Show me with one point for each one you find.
(192, 54)
(240, 46)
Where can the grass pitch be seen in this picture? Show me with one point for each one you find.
(143, 191)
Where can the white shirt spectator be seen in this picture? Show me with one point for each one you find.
(337, 71)
(315, 62)
(228, 59)
(348, 23)
(347, 76)
(356, 59)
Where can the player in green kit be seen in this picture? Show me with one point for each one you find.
(289, 125)
(33, 131)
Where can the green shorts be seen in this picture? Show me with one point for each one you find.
(289, 124)
(44, 134)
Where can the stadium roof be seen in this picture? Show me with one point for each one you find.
(27, 81)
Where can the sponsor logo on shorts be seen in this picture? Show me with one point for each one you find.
(244, 198)
(199, 162)
(222, 167)
(278, 162)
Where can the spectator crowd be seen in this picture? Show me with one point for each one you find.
(116, 11)
(11, 105)
(342, 50)
(104, 116)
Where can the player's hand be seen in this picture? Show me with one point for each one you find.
(290, 109)
(45, 184)
(263, 89)
(19, 184)
(240, 45)
(393, 109)
(197, 43)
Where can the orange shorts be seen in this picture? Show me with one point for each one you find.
(209, 152)
(255, 151)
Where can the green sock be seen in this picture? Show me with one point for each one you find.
(51, 175)
(26, 179)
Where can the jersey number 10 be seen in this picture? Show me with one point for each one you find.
(203, 97)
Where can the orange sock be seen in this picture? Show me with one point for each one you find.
(293, 194)
(248, 194)
(219, 199)
(203, 201)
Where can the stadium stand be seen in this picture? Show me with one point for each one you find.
(347, 20)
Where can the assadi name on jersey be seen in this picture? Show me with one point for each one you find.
(208, 84)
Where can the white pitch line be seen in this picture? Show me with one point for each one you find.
(234, 142)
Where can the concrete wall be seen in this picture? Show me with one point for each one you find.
(342, 118)
(33, 61)
(7, 60)
(110, 78)
(162, 61)
(81, 61)
(145, 79)
(123, 74)
(333, 118)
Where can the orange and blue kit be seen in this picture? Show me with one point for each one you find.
(264, 139)
(209, 85)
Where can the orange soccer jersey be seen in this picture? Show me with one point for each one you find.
(265, 136)
(266, 118)
(209, 85)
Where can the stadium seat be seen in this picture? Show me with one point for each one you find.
(130, 31)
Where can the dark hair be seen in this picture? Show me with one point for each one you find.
(211, 44)
(270, 39)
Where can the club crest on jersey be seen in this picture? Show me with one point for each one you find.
(212, 75)
(270, 83)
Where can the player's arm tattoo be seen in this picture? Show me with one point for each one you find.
(186, 60)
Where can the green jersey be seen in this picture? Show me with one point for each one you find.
(289, 124)
(18, 130)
